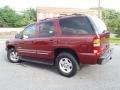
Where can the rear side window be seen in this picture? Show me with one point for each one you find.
(46, 29)
(76, 26)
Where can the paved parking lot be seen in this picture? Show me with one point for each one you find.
(29, 76)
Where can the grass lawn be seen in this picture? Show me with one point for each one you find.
(115, 40)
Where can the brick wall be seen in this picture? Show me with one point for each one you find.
(48, 12)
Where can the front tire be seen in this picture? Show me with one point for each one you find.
(66, 64)
(12, 55)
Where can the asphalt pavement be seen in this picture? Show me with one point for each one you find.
(31, 76)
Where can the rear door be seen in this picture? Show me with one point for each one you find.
(46, 41)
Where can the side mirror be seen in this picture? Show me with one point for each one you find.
(25, 37)
(18, 36)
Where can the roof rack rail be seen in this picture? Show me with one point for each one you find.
(77, 14)
(45, 19)
(64, 14)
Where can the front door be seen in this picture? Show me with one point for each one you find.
(26, 47)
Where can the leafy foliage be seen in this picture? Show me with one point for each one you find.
(9, 17)
(112, 19)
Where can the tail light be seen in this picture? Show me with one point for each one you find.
(96, 45)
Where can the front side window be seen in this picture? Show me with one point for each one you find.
(46, 29)
(76, 26)
(29, 31)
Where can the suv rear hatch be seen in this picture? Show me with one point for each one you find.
(102, 34)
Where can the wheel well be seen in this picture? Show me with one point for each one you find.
(60, 50)
(9, 47)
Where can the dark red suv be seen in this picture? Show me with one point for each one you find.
(65, 41)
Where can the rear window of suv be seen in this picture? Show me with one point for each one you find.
(101, 27)
(76, 26)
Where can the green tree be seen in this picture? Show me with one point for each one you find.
(29, 16)
(8, 17)
(112, 19)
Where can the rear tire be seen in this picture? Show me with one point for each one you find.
(12, 56)
(66, 64)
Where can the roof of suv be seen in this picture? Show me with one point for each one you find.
(64, 16)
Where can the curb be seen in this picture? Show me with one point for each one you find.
(114, 44)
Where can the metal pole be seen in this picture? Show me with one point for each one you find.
(99, 8)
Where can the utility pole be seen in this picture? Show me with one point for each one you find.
(99, 8)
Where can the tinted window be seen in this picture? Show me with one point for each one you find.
(46, 29)
(29, 31)
(76, 26)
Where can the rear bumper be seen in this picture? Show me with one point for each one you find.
(106, 56)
